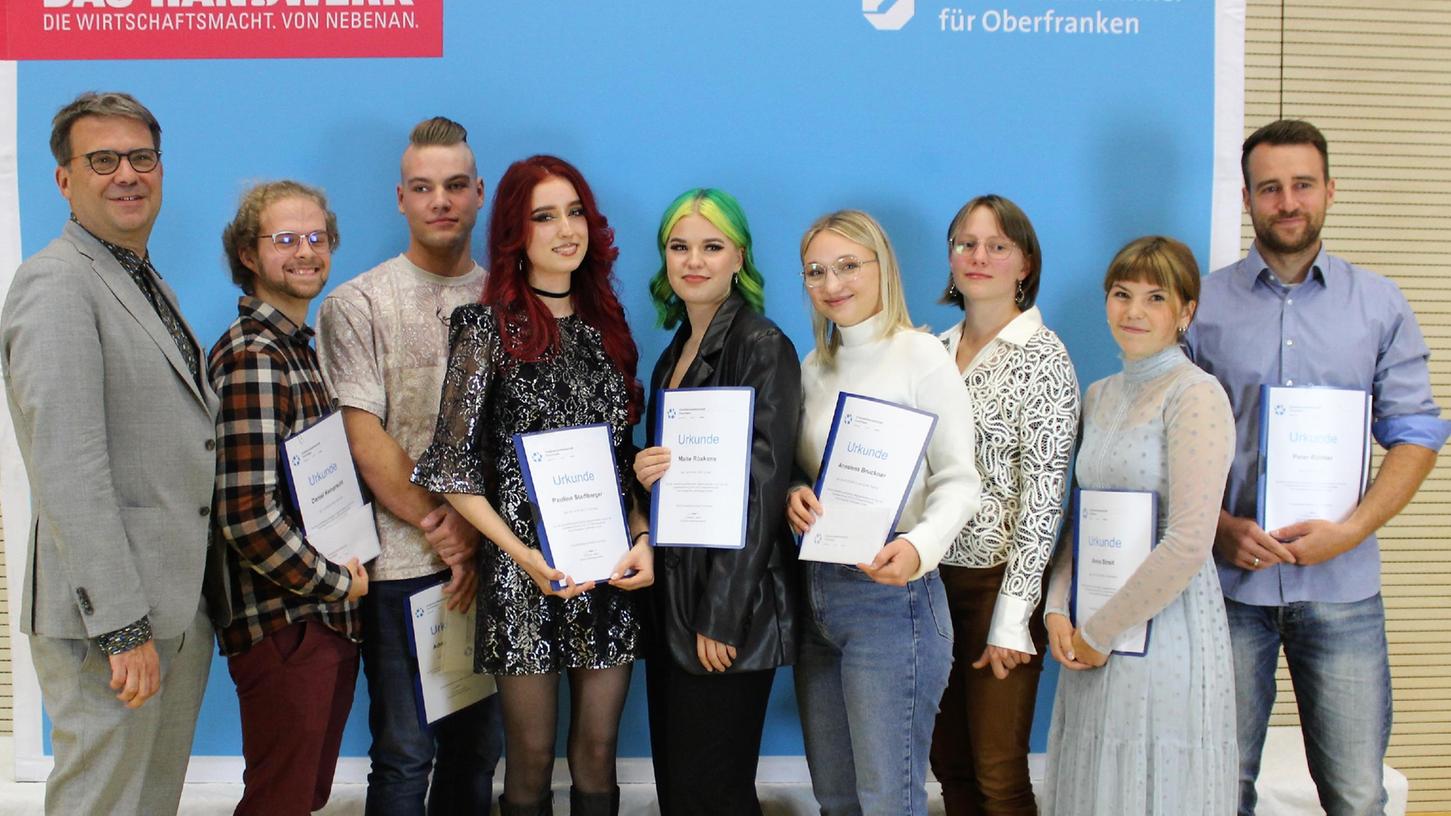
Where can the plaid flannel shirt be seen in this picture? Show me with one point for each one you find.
(266, 372)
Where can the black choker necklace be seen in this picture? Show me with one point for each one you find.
(546, 293)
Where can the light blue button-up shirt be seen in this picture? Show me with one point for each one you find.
(1343, 327)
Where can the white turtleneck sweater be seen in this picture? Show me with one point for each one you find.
(909, 368)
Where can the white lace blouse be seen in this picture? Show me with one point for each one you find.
(1025, 411)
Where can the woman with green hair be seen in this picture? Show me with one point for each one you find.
(720, 620)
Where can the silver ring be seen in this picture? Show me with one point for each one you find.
(1257, 563)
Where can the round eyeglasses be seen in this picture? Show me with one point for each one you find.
(996, 248)
(106, 162)
(846, 268)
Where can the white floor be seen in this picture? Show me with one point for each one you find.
(1285, 788)
(638, 799)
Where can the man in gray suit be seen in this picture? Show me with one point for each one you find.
(115, 421)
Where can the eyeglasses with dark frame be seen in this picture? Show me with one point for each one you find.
(289, 241)
(106, 162)
(846, 268)
(997, 248)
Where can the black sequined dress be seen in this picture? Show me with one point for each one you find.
(488, 397)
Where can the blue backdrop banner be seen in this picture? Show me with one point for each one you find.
(1098, 117)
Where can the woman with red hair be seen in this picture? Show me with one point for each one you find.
(548, 348)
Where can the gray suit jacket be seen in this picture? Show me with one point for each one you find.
(118, 442)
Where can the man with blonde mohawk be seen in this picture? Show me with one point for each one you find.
(384, 347)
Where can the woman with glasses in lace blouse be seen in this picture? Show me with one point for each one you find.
(1025, 417)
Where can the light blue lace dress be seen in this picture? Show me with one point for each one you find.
(1153, 734)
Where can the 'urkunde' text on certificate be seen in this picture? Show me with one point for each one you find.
(443, 642)
(701, 499)
(871, 460)
(1113, 532)
(325, 490)
(571, 478)
(1314, 454)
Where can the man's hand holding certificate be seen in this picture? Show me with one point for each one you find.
(325, 490)
(1314, 454)
(573, 484)
(871, 459)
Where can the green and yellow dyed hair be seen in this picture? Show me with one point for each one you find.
(723, 211)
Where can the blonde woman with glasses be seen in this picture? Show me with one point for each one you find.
(876, 640)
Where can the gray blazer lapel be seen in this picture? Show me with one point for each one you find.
(115, 277)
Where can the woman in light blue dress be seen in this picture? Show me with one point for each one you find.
(1152, 734)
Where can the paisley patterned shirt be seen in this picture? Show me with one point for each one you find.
(382, 338)
(1025, 407)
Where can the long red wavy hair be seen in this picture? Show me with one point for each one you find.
(532, 332)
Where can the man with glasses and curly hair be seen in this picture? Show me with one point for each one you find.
(292, 645)
(115, 420)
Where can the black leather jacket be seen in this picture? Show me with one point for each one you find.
(745, 598)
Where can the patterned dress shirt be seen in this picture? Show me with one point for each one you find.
(271, 387)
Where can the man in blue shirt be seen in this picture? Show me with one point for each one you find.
(1290, 314)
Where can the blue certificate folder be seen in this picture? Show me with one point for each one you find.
(1272, 406)
(841, 416)
(477, 686)
(529, 485)
(1153, 533)
(289, 452)
(660, 409)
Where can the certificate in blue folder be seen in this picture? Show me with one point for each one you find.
(324, 487)
(1113, 532)
(867, 470)
(701, 499)
(1314, 450)
(442, 642)
(574, 487)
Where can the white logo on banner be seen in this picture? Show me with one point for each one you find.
(896, 15)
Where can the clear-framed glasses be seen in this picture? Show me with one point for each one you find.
(289, 241)
(846, 268)
(106, 162)
(997, 248)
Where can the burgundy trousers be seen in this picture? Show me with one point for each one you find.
(295, 688)
(980, 742)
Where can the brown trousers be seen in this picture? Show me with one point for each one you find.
(295, 688)
(980, 743)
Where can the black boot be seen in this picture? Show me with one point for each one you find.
(594, 804)
(543, 807)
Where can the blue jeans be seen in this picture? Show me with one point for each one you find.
(874, 662)
(461, 750)
(1341, 673)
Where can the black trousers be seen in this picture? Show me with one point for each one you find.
(705, 738)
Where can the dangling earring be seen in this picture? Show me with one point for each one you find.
(736, 278)
(521, 265)
(952, 288)
(1018, 297)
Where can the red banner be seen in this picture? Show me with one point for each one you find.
(219, 29)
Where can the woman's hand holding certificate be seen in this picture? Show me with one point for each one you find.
(698, 494)
(872, 456)
(574, 486)
(1113, 532)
